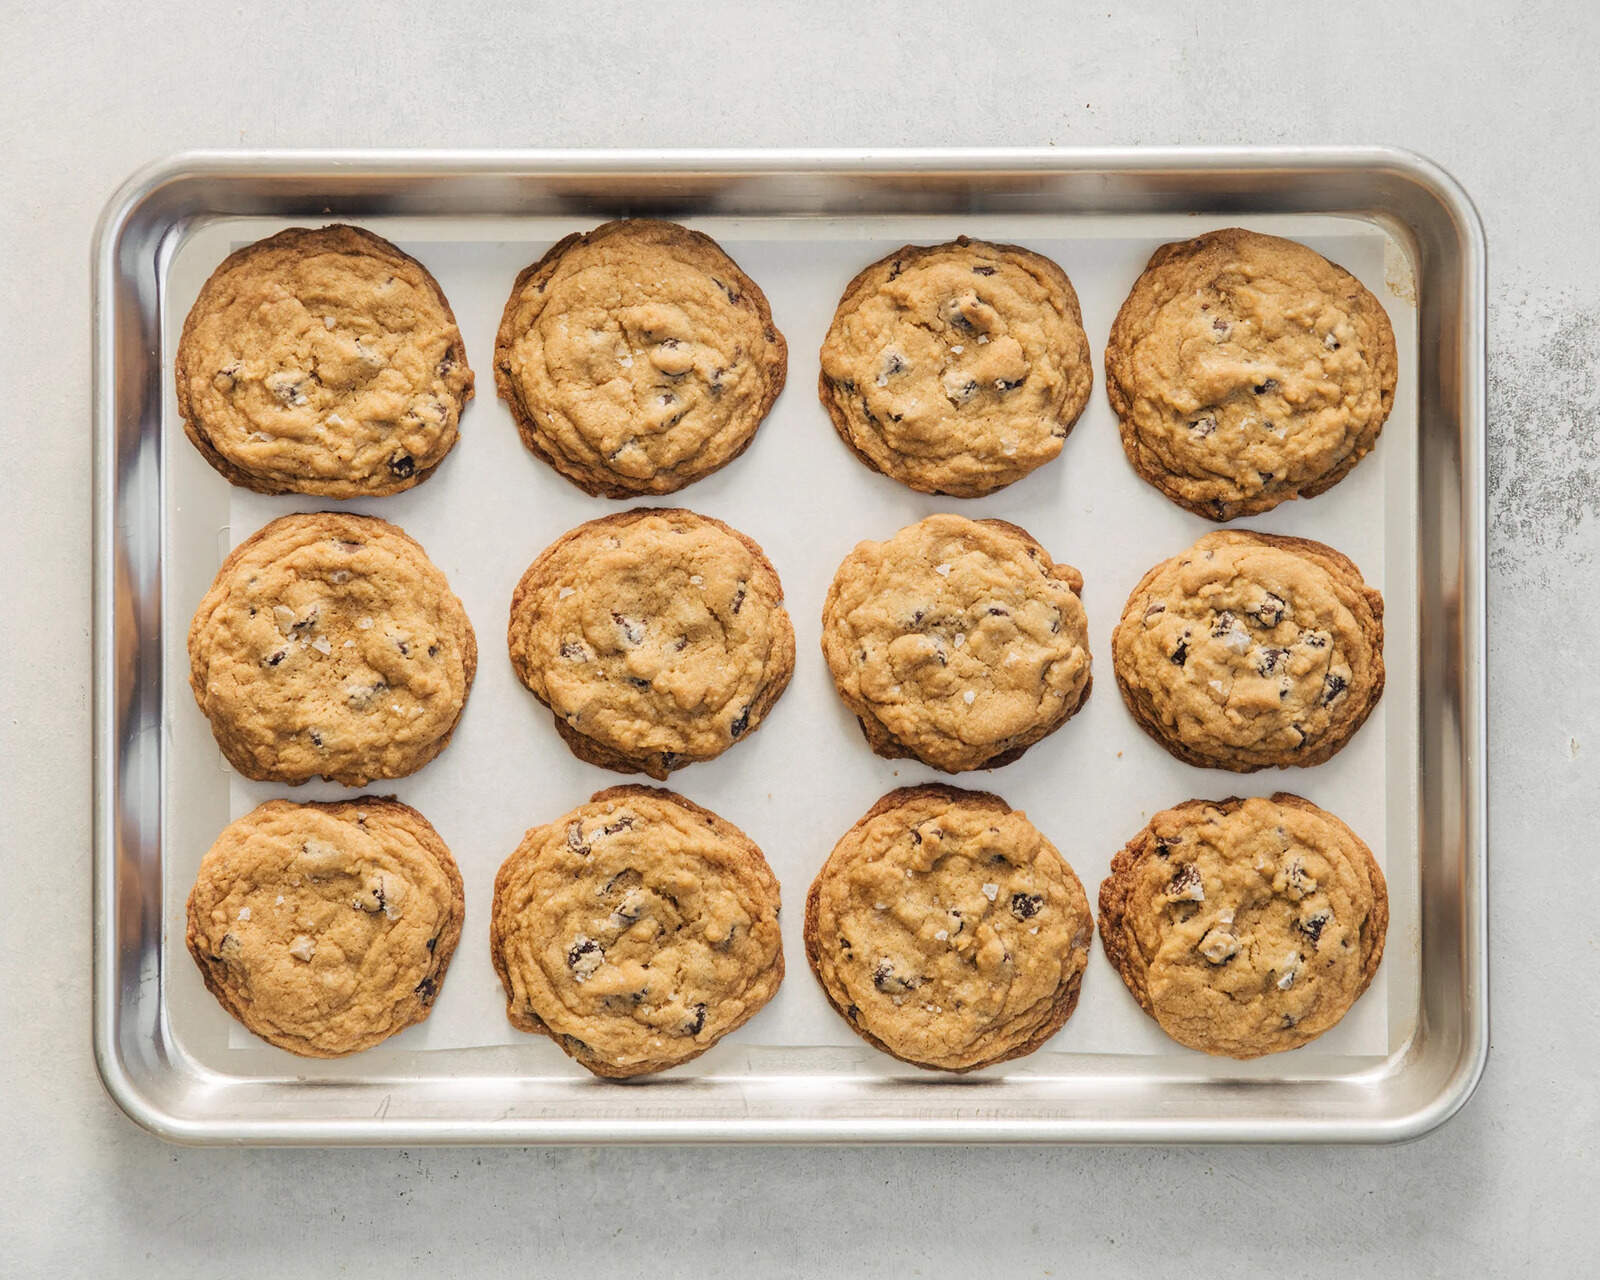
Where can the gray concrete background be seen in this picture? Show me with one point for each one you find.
(1502, 94)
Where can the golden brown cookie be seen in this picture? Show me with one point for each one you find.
(1250, 651)
(637, 358)
(959, 642)
(956, 368)
(330, 644)
(635, 931)
(326, 928)
(656, 637)
(323, 362)
(1247, 370)
(1245, 927)
(947, 931)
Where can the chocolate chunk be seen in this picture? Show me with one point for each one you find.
(1203, 426)
(425, 989)
(1269, 612)
(1312, 926)
(575, 839)
(1261, 388)
(983, 270)
(276, 658)
(1026, 905)
(1180, 655)
(885, 979)
(586, 954)
(1186, 884)
(402, 466)
(624, 823)
(632, 631)
(1332, 686)
(738, 600)
(694, 1025)
(1268, 660)
(740, 724)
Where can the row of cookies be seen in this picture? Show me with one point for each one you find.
(1245, 369)
(944, 928)
(329, 644)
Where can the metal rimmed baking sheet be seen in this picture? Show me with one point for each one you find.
(800, 224)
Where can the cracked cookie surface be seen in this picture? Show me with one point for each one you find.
(1250, 651)
(947, 931)
(637, 358)
(326, 928)
(636, 931)
(1245, 927)
(656, 637)
(330, 645)
(959, 642)
(1247, 370)
(325, 362)
(957, 368)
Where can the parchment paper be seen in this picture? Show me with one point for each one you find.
(807, 775)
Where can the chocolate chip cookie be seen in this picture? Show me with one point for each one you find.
(947, 931)
(1245, 927)
(330, 644)
(324, 362)
(636, 931)
(1250, 651)
(957, 368)
(326, 928)
(656, 637)
(637, 358)
(1247, 370)
(959, 642)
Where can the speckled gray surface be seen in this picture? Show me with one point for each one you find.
(1502, 94)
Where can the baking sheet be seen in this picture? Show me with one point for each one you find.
(797, 784)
